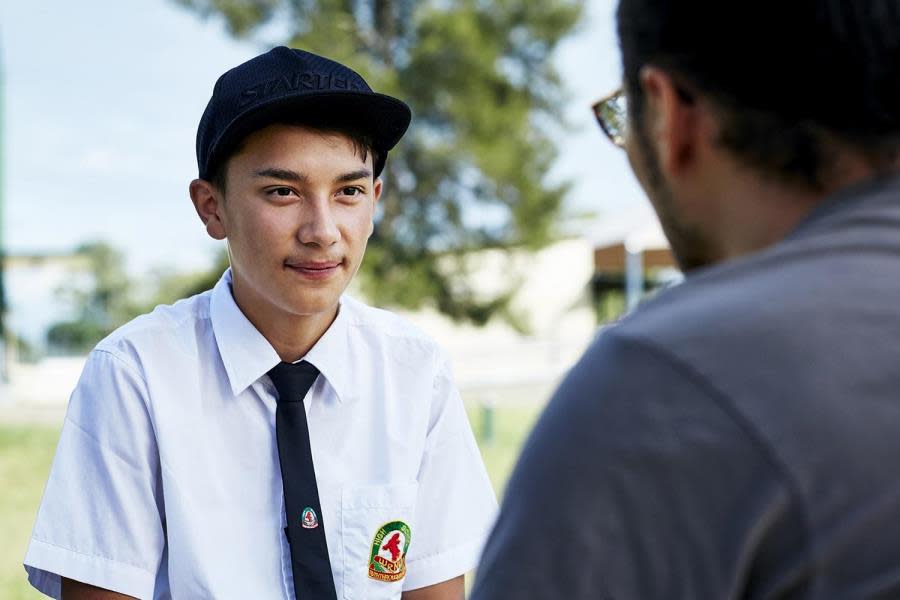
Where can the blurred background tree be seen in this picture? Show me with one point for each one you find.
(471, 173)
(100, 305)
(107, 297)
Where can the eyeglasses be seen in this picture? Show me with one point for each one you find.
(612, 115)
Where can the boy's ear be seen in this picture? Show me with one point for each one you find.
(377, 189)
(208, 204)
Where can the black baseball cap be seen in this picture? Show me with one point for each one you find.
(291, 84)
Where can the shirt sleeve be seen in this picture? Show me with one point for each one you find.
(640, 482)
(100, 520)
(456, 505)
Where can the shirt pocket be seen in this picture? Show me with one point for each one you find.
(377, 529)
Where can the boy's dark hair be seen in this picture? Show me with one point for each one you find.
(790, 77)
(323, 122)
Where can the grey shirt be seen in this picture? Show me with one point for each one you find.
(738, 436)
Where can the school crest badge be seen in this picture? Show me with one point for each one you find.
(388, 559)
(308, 518)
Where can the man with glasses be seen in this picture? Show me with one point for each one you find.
(737, 436)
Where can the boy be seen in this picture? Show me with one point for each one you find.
(270, 438)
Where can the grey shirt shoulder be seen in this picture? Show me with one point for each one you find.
(733, 438)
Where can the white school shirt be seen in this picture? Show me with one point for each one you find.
(166, 481)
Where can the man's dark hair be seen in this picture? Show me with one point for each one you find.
(790, 77)
(322, 122)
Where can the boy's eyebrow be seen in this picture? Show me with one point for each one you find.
(354, 176)
(289, 175)
(284, 174)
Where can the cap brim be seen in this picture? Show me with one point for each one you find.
(383, 118)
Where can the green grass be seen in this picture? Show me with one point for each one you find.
(27, 450)
(25, 455)
(511, 426)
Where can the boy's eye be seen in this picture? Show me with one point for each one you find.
(283, 191)
(351, 191)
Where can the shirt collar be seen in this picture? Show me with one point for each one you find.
(247, 355)
(331, 353)
(879, 189)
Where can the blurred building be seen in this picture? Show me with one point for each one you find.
(32, 284)
(32, 281)
(563, 293)
(560, 295)
(552, 298)
(630, 262)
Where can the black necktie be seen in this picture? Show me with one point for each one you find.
(306, 530)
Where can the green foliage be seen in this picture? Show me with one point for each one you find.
(470, 174)
(24, 350)
(609, 306)
(77, 336)
(110, 298)
(172, 286)
(100, 307)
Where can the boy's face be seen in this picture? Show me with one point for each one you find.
(297, 211)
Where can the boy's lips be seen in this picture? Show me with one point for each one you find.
(314, 269)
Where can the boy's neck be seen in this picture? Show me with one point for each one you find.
(291, 335)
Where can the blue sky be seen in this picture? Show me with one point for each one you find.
(101, 103)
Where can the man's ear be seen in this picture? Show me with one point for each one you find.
(671, 121)
(208, 204)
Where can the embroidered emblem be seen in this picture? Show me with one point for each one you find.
(388, 559)
(308, 518)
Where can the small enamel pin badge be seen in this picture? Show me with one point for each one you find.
(308, 518)
(388, 559)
